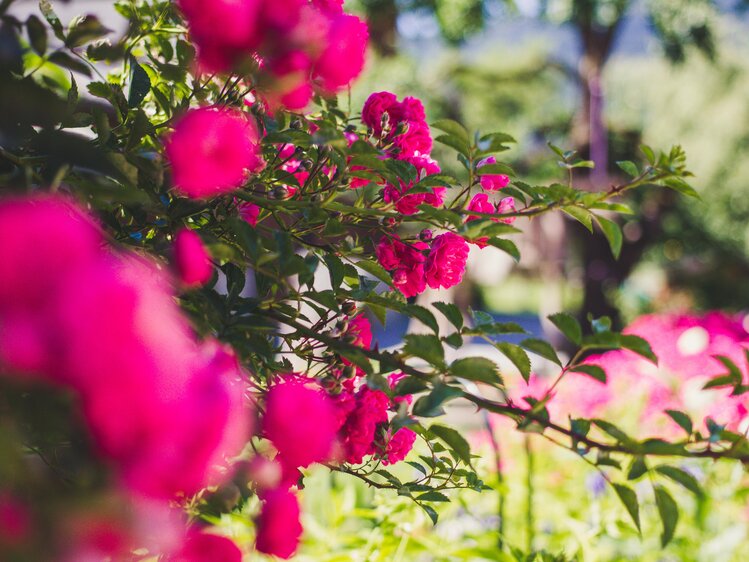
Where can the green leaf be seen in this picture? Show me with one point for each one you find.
(495, 142)
(518, 356)
(681, 477)
(637, 468)
(613, 234)
(451, 312)
(376, 270)
(432, 496)
(668, 511)
(423, 315)
(37, 35)
(426, 347)
(454, 440)
(455, 143)
(66, 61)
(629, 498)
(542, 348)
(507, 246)
(614, 431)
(478, 369)
(593, 371)
(495, 169)
(682, 420)
(72, 94)
(451, 128)
(140, 84)
(84, 29)
(678, 184)
(629, 168)
(430, 512)
(583, 216)
(648, 152)
(51, 17)
(639, 346)
(430, 405)
(568, 325)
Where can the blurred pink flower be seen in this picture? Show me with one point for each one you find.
(249, 212)
(342, 60)
(192, 261)
(491, 182)
(278, 525)
(300, 421)
(200, 546)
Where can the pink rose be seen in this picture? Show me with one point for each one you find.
(278, 526)
(405, 262)
(446, 261)
(492, 182)
(361, 329)
(359, 431)
(192, 261)
(211, 151)
(399, 445)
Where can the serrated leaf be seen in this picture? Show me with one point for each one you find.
(639, 346)
(432, 496)
(498, 168)
(426, 347)
(451, 128)
(568, 325)
(507, 246)
(613, 234)
(430, 405)
(454, 440)
(613, 431)
(517, 356)
(593, 371)
(648, 152)
(478, 369)
(678, 184)
(629, 498)
(430, 512)
(681, 477)
(423, 315)
(668, 511)
(451, 312)
(376, 270)
(583, 216)
(455, 143)
(542, 348)
(140, 85)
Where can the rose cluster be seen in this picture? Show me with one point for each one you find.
(164, 410)
(401, 131)
(351, 422)
(294, 47)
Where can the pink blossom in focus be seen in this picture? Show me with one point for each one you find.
(343, 57)
(481, 204)
(405, 262)
(491, 182)
(206, 547)
(300, 422)
(399, 445)
(505, 206)
(358, 432)
(278, 527)
(407, 203)
(446, 261)
(211, 150)
(361, 329)
(191, 259)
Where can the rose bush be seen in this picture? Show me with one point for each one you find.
(194, 247)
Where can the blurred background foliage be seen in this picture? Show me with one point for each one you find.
(600, 77)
